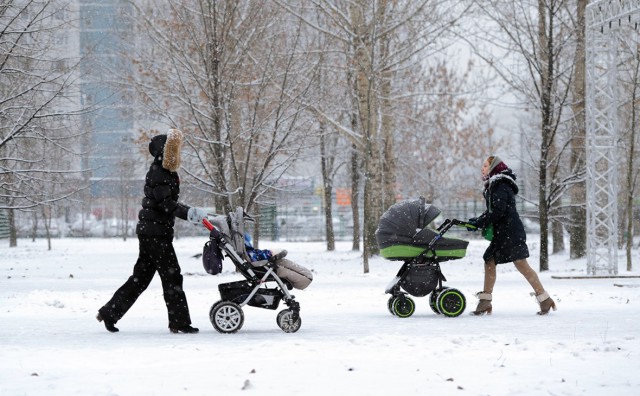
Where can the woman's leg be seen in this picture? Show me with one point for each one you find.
(490, 275)
(484, 305)
(166, 263)
(543, 298)
(530, 275)
(128, 293)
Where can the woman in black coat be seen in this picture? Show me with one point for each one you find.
(160, 207)
(509, 243)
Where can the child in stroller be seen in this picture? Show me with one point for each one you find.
(227, 237)
(403, 234)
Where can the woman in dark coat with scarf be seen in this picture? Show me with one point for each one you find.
(160, 207)
(509, 243)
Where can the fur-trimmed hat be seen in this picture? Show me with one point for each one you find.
(166, 148)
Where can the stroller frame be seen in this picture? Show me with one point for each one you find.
(226, 315)
(420, 276)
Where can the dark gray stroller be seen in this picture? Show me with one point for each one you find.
(403, 235)
(227, 237)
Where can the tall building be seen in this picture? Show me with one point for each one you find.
(103, 31)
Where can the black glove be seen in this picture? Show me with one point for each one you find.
(472, 224)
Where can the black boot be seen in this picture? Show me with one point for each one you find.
(108, 324)
(187, 329)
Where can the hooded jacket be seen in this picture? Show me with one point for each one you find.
(509, 237)
(160, 204)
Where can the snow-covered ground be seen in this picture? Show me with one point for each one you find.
(349, 344)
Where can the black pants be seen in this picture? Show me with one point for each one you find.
(156, 254)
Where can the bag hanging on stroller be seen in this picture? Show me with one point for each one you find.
(212, 258)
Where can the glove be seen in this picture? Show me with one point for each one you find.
(472, 224)
(196, 215)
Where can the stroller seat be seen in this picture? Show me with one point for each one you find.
(259, 263)
(277, 254)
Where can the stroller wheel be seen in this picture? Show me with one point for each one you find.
(226, 317)
(433, 297)
(390, 305)
(403, 306)
(451, 302)
(286, 323)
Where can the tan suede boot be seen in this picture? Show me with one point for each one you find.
(484, 305)
(546, 303)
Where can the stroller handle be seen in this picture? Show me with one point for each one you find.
(448, 223)
(208, 224)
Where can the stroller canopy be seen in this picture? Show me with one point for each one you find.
(403, 232)
(402, 221)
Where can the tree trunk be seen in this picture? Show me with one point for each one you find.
(558, 236)
(630, 167)
(546, 72)
(215, 46)
(34, 226)
(328, 215)
(578, 192)
(372, 198)
(388, 185)
(355, 195)
(327, 183)
(47, 225)
(544, 217)
(366, 237)
(13, 233)
(364, 91)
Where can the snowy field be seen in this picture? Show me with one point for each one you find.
(349, 344)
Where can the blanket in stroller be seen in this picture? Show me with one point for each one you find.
(299, 276)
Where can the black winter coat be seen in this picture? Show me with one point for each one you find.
(509, 238)
(160, 204)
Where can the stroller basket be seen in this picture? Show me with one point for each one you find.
(421, 279)
(238, 292)
(235, 291)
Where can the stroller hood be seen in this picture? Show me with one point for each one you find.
(403, 233)
(401, 223)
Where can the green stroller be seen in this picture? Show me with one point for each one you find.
(403, 235)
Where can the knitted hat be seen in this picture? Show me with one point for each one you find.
(496, 165)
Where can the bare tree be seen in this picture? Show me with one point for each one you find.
(37, 106)
(540, 36)
(327, 164)
(441, 149)
(578, 225)
(230, 74)
(630, 95)
(379, 40)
